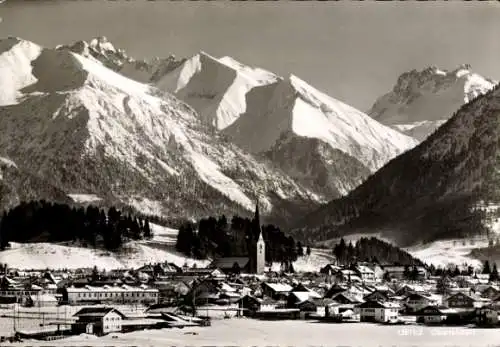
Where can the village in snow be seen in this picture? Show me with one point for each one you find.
(79, 303)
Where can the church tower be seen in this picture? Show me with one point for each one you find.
(261, 254)
(260, 249)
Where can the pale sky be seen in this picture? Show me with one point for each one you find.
(353, 51)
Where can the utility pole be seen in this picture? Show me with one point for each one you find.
(14, 318)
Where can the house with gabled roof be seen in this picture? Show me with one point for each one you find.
(376, 311)
(465, 301)
(322, 306)
(416, 301)
(378, 295)
(365, 273)
(489, 291)
(301, 288)
(407, 289)
(334, 290)
(232, 264)
(277, 291)
(434, 314)
(487, 315)
(97, 320)
(347, 298)
(250, 304)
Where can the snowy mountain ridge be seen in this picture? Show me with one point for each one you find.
(421, 100)
(216, 88)
(322, 143)
(101, 49)
(87, 129)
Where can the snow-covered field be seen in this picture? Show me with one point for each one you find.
(438, 253)
(55, 256)
(84, 198)
(248, 332)
(443, 253)
(160, 249)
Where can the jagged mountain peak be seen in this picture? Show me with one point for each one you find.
(421, 101)
(87, 129)
(215, 87)
(102, 50)
(103, 44)
(16, 56)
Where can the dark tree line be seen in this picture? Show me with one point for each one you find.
(372, 250)
(53, 222)
(218, 237)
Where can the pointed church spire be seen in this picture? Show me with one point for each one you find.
(257, 215)
(256, 220)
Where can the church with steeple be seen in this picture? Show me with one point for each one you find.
(258, 249)
(255, 262)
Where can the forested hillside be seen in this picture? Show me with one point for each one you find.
(44, 221)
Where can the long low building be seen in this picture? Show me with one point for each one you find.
(123, 294)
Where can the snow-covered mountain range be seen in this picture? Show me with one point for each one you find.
(324, 144)
(85, 129)
(101, 49)
(420, 100)
(445, 188)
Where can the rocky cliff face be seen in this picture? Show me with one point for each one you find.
(421, 101)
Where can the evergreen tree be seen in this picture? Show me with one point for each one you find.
(308, 251)
(494, 273)
(470, 270)
(236, 268)
(147, 230)
(300, 249)
(95, 274)
(406, 273)
(414, 273)
(486, 267)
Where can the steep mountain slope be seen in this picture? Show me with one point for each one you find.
(216, 88)
(324, 144)
(447, 187)
(420, 99)
(15, 69)
(117, 60)
(88, 130)
(17, 185)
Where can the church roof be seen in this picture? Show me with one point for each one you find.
(228, 262)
